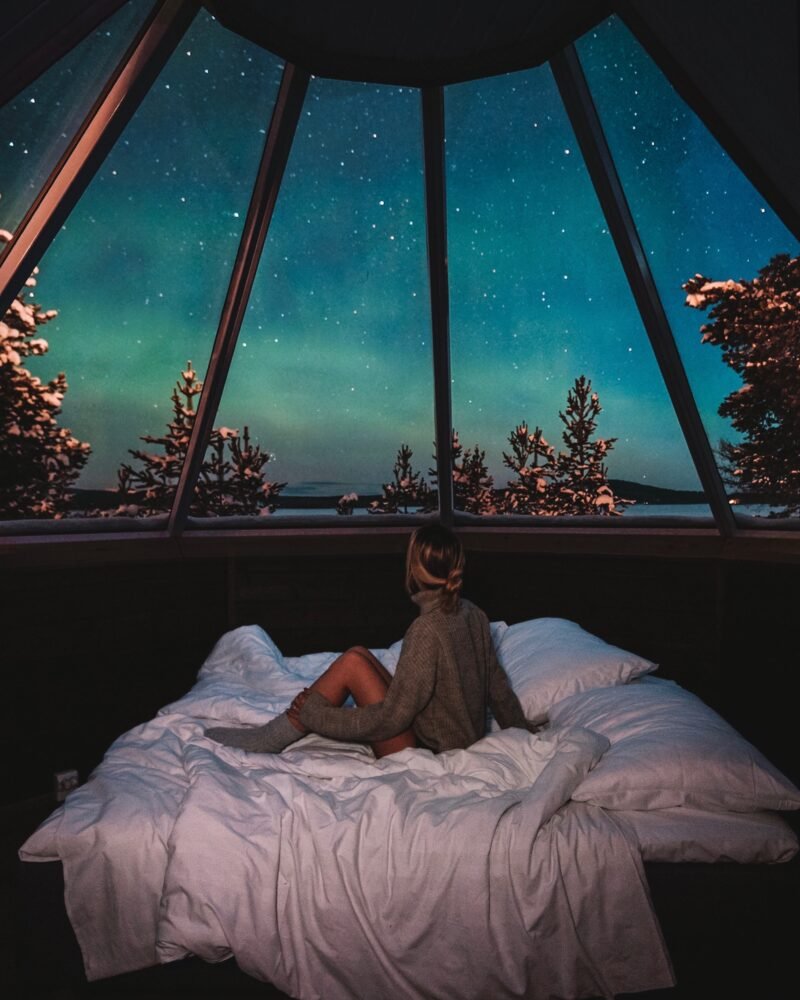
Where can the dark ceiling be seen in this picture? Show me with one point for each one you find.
(413, 42)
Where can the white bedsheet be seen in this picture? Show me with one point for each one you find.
(334, 875)
(111, 835)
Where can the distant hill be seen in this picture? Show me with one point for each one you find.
(109, 499)
(94, 499)
(642, 493)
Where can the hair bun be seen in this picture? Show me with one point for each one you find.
(435, 561)
(451, 590)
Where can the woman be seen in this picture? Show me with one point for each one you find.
(447, 674)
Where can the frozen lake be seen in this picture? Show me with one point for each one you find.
(689, 510)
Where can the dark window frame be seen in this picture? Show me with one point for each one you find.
(116, 105)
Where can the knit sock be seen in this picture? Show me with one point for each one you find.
(270, 738)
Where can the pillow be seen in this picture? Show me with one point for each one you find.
(246, 654)
(547, 659)
(244, 679)
(668, 748)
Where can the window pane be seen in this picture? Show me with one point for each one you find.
(37, 125)
(140, 270)
(538, 301)
(332, 372)
(696, 212)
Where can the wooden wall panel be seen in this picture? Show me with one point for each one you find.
(760, 658)
(310, 604)
(89, 652)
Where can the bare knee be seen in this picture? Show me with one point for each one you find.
(360, 651)
(363, 675)
(354, 662)
(363, 658)
(362, 655)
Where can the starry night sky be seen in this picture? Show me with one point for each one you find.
(332, 371)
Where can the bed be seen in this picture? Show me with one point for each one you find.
(514, 868)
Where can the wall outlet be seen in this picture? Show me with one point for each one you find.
(64, 782)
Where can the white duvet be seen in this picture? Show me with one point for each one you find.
(333, 875)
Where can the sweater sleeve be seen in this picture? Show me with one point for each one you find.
(503, 701)
(409, 692)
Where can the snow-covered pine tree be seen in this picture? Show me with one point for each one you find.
(39, 461)
(756, 323)
(456, 451)
(473, 487)
(581, 477)
(408, 489)
(532, 461)
(473, 484)
(231, 479)
(234, 482)
(346, 504)
(150, 489)
(214, 473)
(248, 487)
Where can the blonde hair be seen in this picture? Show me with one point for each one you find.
(435, 560)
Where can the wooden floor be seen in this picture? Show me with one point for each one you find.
(740, 965)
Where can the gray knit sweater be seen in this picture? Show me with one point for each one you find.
(446, 676)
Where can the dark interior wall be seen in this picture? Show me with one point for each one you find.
(323, 602)
(759, 659)
(90, 651)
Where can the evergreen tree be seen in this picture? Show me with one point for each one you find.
(39, 461)
(473, 487)
(532, 462)
(231, 479)
(346, 503)
(151, 488)
(234, 483)
(408, 488)
(756, 323)
(581, 477)
(574, 481)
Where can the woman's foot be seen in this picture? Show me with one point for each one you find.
(273, 737)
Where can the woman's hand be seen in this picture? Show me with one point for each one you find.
(296, 707)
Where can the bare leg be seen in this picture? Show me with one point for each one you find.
(360, 674)
(356, 672)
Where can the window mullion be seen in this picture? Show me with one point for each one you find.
(277, 146)
(589, 133)
(115, 107)
(433, 131)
